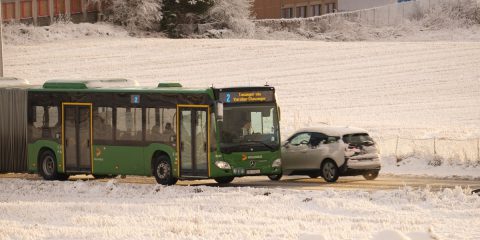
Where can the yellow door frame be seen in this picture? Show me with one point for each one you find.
(178, 133)
(91, 131)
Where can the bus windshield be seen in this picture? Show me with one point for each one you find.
(249, 128)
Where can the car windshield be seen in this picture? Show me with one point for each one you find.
(358, 138)
(248, 127)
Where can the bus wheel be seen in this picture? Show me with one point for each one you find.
(371, 175)
(275, 177)
(162, 170)
(224, 180)
(48, 166)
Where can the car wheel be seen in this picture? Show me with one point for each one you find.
(314, 175)
(224, 180)
(162, 170)
(330, 171)
(371, 175)
(275, 177)
(48, 166)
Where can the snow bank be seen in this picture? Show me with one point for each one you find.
(82, 209)
(21, 34)
(422, 166)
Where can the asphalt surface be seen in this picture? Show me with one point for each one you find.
(383, 182)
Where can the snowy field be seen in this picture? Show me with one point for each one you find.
(390, 88)
(99, 210)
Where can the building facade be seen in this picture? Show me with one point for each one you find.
(43, 12)
(270, 9)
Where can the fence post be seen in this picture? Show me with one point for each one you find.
(396, 150)
(434, 146)
(478, 150)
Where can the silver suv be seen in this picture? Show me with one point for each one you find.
(330, 152)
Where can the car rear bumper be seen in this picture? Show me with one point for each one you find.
(360, 166)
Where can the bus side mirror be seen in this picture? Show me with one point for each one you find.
(219, 111)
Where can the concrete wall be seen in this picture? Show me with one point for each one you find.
(352, 5)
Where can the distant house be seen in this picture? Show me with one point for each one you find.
(43, 12)
(265, 9)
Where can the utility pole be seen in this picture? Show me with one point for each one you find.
(1, 40)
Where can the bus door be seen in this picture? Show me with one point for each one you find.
(77, 137)
(193, 141)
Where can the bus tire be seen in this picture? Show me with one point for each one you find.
(47, 167)
(162, 170)
(224, 180)
(330, 171)
(275, 177)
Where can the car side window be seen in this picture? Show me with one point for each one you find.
(318, 138)
(302, 138)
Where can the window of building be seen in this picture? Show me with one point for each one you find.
(301, 12)
(317, 10)
(26, 9)
(330, 7)
(129, 124)
(287, 13)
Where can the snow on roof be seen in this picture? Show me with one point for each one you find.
(13, 82)
(333, 130)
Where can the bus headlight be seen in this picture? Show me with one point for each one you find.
(222, 165)
(277, 163)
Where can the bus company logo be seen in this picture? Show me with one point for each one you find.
(252, 163)
(244, 157)
(98, 152)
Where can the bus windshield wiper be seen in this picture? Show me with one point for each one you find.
(266, 145)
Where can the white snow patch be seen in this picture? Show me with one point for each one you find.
(415, 166)
(82, 209)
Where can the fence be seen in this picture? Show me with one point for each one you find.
(388, 15)
(436, 150)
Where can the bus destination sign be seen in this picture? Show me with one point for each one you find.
(246, 97)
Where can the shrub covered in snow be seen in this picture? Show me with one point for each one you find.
(234, 15)
(134, 14)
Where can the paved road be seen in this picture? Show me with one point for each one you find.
(303, 183)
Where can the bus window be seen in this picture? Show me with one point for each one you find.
(160, 124)
(129, 124)
(45, 122)
(102, 123)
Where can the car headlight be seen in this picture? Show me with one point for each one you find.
(222, 165)
(277, 163)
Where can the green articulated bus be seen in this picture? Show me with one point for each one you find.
(108, 128)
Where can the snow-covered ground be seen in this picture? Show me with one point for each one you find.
(100, 210)
(414, 166)
(406, 89)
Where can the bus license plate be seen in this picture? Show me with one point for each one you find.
(253, 171)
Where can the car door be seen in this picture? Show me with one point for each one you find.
(294, 151)
(318, 149)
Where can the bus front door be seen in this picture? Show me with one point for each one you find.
(193, 140)
(77, 139)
